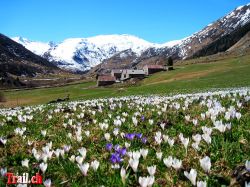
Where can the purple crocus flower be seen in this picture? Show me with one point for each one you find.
(109, 146)
(115, 158)
(142, 118)
(138, 135)
(130, 136)
(123, 151)
(144, 140)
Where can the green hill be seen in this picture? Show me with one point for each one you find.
(189, 76)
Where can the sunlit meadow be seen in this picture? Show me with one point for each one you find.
(184, 140)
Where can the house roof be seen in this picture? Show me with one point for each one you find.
(106, 78)
(117, 70)
(134, 71)
(154, 66)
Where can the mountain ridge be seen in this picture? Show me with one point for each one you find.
(82, 54)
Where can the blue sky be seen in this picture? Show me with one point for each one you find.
(153, 20)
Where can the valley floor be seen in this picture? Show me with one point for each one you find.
(187, 77)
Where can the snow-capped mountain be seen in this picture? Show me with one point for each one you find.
(84, 53)
(80, 54)
(216, 37)
(39, 48)
(224, 26)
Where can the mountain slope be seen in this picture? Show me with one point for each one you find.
(242, 45)
(216, 37)
(81, 54)
(17, 60)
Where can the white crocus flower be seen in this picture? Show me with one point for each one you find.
(135, 121)
(37, 156)
(79, 159)
(47, 183)
(196, 146)
(201, 184)
(205, 164)
(117, 122)
(44, 157)
(78, 138)
(238, 115)
(57, 152)
(207, 138)
(25, 163)
(151, 170)
(134, 164)
(191, 175)
(4, 141)
(127, 145)
(151, 121)
(95, 164)
(43, 166)
(176, 163)
(187, 118)
(83, 152)
(130, 154)
(116, 131)
(168, 161)
(247, 184)
(227, 116)
(151, 180)
(219, 126)
(158, 140)
(72, 158)
(123, 175)
(87, 133)
(195, 122)
(162, 125)
(165, 137)
(159, 155)
(143, 181)
(107, 136)
(146, 181)
(3, 171)
(144, 153)
(62, 152)
(206, 130)
(197, 138)
(43, 132)
(184, 141)
(84, 168)
(170, 142)
(69, 135)
(203, 116)
(136, 155)
(67, 148)
(29, 143)
(247, 165)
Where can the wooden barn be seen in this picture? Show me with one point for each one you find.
(104, 80)
(150, 69)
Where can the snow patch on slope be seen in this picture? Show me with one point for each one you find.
(38, 48)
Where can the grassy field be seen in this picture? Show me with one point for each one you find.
(173, 141)
(231, 72)
(186, 140)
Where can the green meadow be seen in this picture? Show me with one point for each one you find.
(187, 77)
